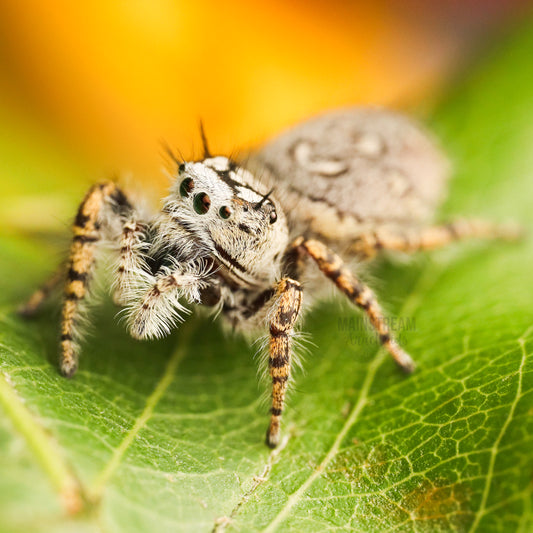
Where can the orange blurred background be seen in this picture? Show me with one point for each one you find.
(89, 89)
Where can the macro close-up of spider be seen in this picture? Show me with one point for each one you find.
(243, 237)
(266, 267)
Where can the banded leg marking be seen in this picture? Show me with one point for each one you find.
(333, 267)
(289, 293)
(130, 259)
(87, 233)
(433, 237)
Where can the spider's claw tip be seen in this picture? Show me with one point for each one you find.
(407, 364)
(272, 439)
(69, 368)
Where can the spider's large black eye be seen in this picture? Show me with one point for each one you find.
(273, 216)
(201, 203)
(224, 211)
(187, 185)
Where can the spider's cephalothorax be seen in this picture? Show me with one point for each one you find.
(358, 181)
(230, 215)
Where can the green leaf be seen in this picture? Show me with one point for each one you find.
(168, 436)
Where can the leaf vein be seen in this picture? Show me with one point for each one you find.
(43, 446)
(164, 382)
(495, 448)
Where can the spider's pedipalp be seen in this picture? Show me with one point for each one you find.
(158, 307)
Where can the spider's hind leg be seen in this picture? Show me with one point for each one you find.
(418, 239)
(35, 302)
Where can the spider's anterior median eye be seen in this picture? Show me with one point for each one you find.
(273, 216)
(201, 203)
(187, 185)
(224, 211)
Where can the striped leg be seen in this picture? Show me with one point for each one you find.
(432, 237)
(32, 306)
(102, 199)
(132, 246)
(289, 303)
(332, 266)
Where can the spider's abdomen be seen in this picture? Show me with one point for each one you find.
(351, 171)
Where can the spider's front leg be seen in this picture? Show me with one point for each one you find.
(333, 267)
(289, 303)
(102, 203)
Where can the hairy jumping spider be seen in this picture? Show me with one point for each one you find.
(243, 238)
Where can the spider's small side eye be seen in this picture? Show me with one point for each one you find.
(224, 211)
(187, 185)
(201, 203)
(273, 216)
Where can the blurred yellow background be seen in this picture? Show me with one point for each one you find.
(89, 89)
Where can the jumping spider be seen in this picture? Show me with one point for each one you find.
(241, 237)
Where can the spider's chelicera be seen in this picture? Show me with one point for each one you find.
(356, 181)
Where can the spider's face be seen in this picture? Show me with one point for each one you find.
(231, 213)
